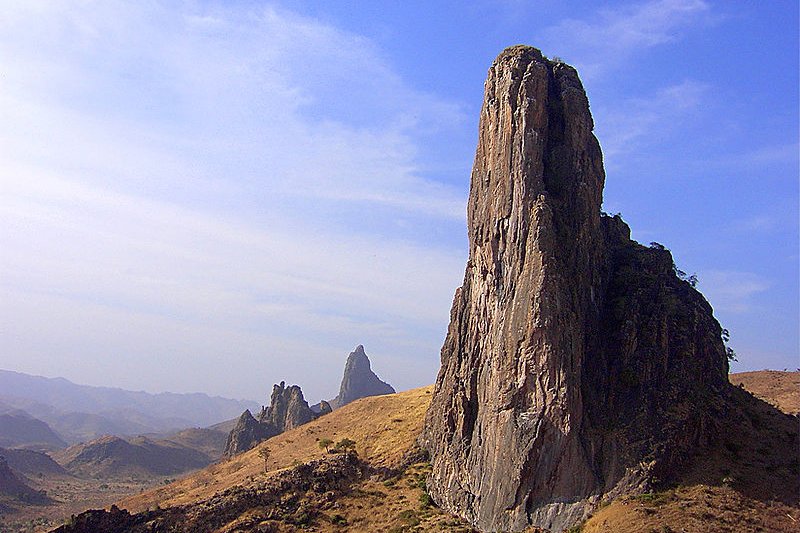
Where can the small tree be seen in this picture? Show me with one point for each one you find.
(325, 444)
(345, 445)
(264, 453)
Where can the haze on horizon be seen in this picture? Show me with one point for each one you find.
(217, 196)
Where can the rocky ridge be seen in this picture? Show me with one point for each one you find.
(578, 365)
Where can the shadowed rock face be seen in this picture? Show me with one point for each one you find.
(577, 364)
(288, 409)
(246, 434)
(359, 381)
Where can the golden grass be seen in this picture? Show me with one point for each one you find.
(697, 508)
(383, 427)
(781, 389)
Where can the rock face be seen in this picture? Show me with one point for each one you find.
(246, 434)
(577, 363)
(288, 409)
(359, 381)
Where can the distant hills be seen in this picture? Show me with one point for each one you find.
(112, 457)
(80, 412)
(18, 428)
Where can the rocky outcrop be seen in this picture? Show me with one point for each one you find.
(289, 501)
(359, 381)
(246, 434)
(577, 364)
(287, 410)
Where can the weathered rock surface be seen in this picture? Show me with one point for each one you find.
(288, 409)
(359, 381)
(577, 364)
(246, 434)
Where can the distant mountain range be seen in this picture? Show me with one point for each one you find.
(79, 413)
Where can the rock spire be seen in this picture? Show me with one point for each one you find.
(577, 364)
(359, 381)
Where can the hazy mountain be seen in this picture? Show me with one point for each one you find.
(19, 429)
(32, 463)
(111, 457)
(82, 412)
(206, 440)
(14, 488)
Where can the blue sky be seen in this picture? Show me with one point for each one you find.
(215, 196)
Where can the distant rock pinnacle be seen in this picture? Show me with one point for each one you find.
(287, 410)
(577, 365)
(359, 381)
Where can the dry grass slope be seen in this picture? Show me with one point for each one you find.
(781, 389)
(383, 427)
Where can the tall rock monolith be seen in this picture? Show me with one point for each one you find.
(577, 365)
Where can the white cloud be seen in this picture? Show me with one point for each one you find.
(615, 35)
(732, 291)
(188, 187)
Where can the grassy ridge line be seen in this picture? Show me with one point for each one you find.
(383, 427)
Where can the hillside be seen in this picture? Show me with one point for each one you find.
(747, 482)
(140, 457)
(32, 463)
(14, 492)
(18, 428)
(383, 427)
(381, 489)
(781, 389)
(208, 441)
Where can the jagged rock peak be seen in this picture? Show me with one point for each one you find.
(577, 365)
(359, 381)
(287, 410)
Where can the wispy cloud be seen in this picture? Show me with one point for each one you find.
(184, 184)
(622, 128)
(732, 291)
(613, 36)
